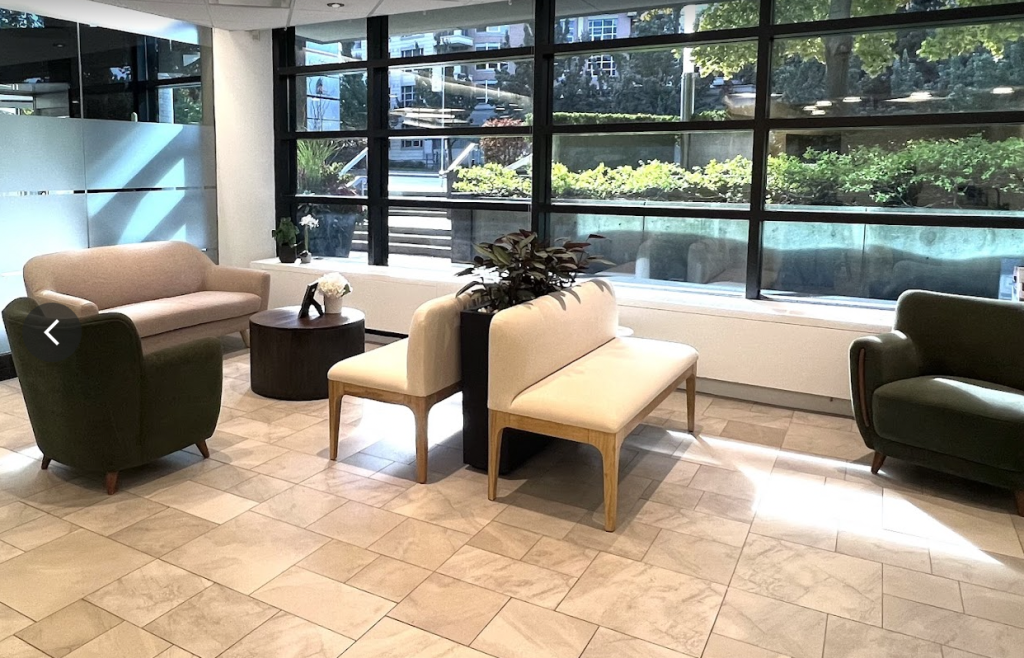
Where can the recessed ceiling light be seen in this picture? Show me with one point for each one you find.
(335, 5)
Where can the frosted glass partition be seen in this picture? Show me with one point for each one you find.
(122, 155)
(45, 223)
(129, 217)
(40, 154)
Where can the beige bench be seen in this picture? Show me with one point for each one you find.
(557, 368)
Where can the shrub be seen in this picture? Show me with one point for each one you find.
(492, 179)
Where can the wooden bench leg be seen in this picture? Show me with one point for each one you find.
(876, 462)
(493, 453)
(336, 393)
(691, 401)
(421, 411)
(111, 482)
(610, 457)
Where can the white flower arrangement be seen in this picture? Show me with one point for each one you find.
(333, 285)
(309, 221)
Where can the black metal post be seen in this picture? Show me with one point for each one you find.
(759, 157)
(378, 105)
(543, 116)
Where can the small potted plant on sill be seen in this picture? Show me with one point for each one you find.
(286, 234)
(514, 269)
(333, 287)
(307, 222)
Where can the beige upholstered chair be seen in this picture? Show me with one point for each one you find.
(417, 372)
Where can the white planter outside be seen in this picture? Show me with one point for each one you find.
(333, 305)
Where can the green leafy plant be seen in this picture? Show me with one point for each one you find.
(286, 233)
(518, 267)
(313, 160)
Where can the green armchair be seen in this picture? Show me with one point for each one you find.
(107, 407)
(945, 389)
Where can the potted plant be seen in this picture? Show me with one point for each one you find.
(285, 234)
(333, 287)
(514, 269)
(337, 226)
(307, 222)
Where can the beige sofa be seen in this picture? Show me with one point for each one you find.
(171, 291)
(556, 367)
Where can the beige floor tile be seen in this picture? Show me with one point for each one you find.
(960, 631)
(12, 647)
(753, 433)
(749, 413)
(886, 547)
(821, 580)
(248, 454)
(526, 582)
(673, 495)
(7, 552)
(357, 524)
(246, 552)
(249, 428)
(299, 506)
(698, 557)
(15, 514)
(69, 497)
(339, 607)
(922, 587)
(720, 646)
(522, 630)
(202, 501)
(824, 420)
(43, 581)
(115, 513)
(561, 556)
(37, 532)
(607, 643)
(297, 421)
(952, 523)
(837, 444)
(547, 517)
(393, 639)
(145, 594)
(338, 560)
(450, 608)
(693, 523)
(209, 623)
(225, 477)
(163, 532)
(950, 652)
(389, 578)
(287, 636)
(11, 621)
(313, 441)
(354, 487)
(69, 628)
(993, 604)
(260, 488)
(123, 641)
(990, 570)
(506, 540)
(647, 602)
(849, 639)
(631, 539)
(453, 502)
(422, 544)
(293, 466)
(771, 624)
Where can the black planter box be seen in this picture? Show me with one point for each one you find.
(516, 446)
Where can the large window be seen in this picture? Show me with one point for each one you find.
(813, 150)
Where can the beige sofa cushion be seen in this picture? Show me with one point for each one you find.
(434, 362)
(606, 388)
(162, 315)
(383, 368)
(530, 341)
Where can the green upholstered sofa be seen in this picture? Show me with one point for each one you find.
(107, 407)
(945, 388)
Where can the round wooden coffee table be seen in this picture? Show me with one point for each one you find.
(290, 356)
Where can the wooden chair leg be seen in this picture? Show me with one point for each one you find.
(691, 401)
(245, 336)
(46, 463)
(112, 483)
(877, 461)
(421, 412)
(1020, 502)
(336, 393)
(203, 449)
(610, 458)
(494, 454)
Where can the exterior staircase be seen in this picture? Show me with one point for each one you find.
(413, 232)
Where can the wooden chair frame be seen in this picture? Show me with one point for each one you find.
(420, 407)
(607, 443)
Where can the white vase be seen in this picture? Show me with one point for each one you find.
(332, 305)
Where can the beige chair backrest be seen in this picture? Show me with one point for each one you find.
(533, 340)
(119, 275)
(433, 355)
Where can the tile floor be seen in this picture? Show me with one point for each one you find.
(763, 536)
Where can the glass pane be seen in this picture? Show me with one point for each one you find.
(968, 169)
(668, 84)
(819, 10)
(177, 60)
(109, 56)
(461, 167)
(700, 169)
(340, 230)
(38, 65)
(331, 101)
(459, 95)
(330, 43)
(331, 167)
(50, 157)
(471, 227)
(186, 104)
(490, 26)
(880, 262)
(130, 217)
(161, 156)
(709, 253)
(604, 20)
(973, 68)
(429, 236)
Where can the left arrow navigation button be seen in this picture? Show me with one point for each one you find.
(52, 332)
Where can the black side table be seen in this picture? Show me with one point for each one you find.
(290, 356)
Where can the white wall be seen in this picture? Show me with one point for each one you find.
(243, 78)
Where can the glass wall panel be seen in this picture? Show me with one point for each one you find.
(330, 43)
(130, 155)
(910, 71)
(461, 167)
(880, 262)
(665, 84)
(703, 168)
(176, 60)
(55, 222)
(819, 10)
(38, 65)
(41, 154)
(604, 20)
(488, 26)
(480, 93)
(953, 169)
(340, 230)
(130, 217)
(331, 167)
(331, 101)
(471, 227)
(708, 253)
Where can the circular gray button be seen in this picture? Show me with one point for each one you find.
(52, 332)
